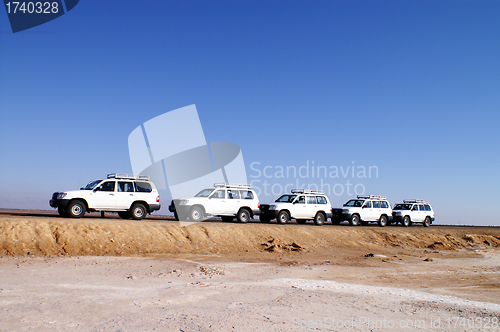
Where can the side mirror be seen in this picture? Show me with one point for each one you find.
(82, 188)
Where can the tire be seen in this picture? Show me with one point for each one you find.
(227, 219)
(301, 221)
(382, 222)
(283, 217)
(138, 211)
(355, 220)
(265, 220)
(427, 222)
(196, 214)
(243, 215)
(124, 214)
(406, 222)
(75, 209)
(319, 219)
(61, 212)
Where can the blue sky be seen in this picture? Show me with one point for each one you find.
(411, 87)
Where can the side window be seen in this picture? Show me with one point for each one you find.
(321, 199)
(246, 194)
(368, 204)
(233, 194)
(376, 204)
(125, 186)
(108, 186)
(301, 200)
(384, 204)
(415, 208)
(143, 187)
(311, 200)
(428, 208)
(220, 194)
(422, 208)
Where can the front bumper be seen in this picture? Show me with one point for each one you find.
(59, 203)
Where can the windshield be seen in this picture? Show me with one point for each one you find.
(355, 203)
(204, 193)
(402, 207)
(91, 185)
(286, 198)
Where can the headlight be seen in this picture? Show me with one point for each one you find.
(61, 195)
(272, 207)
(345, 210)
(184, 202)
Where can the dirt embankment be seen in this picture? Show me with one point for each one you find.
(22, 235)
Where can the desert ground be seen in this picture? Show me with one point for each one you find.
(109, 274)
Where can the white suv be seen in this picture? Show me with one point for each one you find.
(413, 211)
(225, 200)
(363, 210)
(129, 195)
(301, 205)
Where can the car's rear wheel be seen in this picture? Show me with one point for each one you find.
(138, 211)
(124, 214)
(75, 209)
(243, 215)
(301, 221)
(427, 222)
(382, 222)
(406, 221)
(283, 217)
(355, 220)
(320, 218)
(196, 214)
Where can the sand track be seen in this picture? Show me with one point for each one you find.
(49, 235)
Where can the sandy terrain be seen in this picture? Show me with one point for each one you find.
(121, 275)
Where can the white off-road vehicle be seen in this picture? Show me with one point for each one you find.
(364, 209)
(224, 200)
(413, 211)
(301, 205)
(130, 195)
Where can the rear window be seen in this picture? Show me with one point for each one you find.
(311, 199)
(384, 204)
(321, 200)
(143, 187)
(428, 208)
(246, 194)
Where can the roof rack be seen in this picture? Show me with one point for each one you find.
(371, 197)
(415, 201)
(127, 176)
(232, 185)
(306, 191)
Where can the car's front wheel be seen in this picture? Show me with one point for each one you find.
(283, 217)
(196, 214)
(406, 221)
(75, 209)
(355, 220)
(138, 211)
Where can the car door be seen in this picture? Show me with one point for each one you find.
(311, 206)
(217, 204)
(377, 210)
(103, 196)
(299, 208)
(367, 211)
(125, 194)
(233, 201)
(414, 213)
